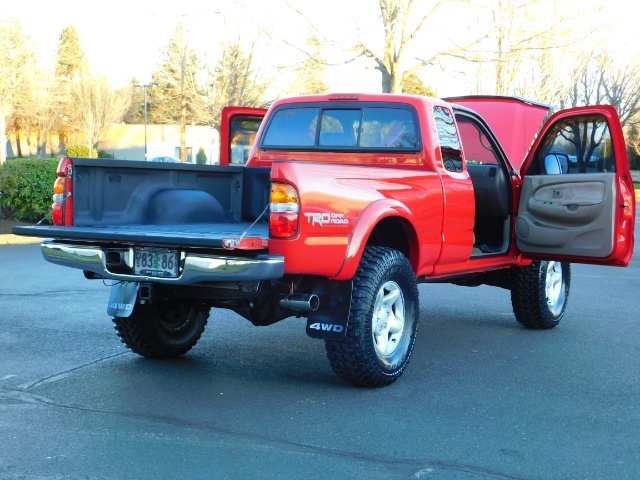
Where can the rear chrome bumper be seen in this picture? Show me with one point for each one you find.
(195, 268)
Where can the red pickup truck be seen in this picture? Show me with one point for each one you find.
(346, 203)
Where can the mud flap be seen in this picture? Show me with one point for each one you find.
(330, 320)
(122, 299)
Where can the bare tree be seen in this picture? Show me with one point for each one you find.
(94, 104)
(607, 80)
(405, 25)
(633, 141)
(15, 61)
(534, 49)
(621, 85)
(39, 107)
(402, 29)
(309, 73)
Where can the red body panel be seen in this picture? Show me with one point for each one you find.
(346, 195)
(366, 188)
(340, 206)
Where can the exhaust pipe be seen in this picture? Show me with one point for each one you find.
(301, 302)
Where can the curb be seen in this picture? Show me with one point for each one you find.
(10, 239)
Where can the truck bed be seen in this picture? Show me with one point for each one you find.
(201, 235)
(144, 203)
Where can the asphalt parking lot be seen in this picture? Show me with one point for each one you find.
(482, 398)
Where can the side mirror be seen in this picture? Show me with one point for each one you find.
(552, 165)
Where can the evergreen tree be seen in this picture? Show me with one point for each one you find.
(70, 67)
(234, 82)
(71, 62)
(176, 76)
(135, 112)
(412, 85)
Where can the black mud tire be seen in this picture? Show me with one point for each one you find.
(373, 352)
(162, 329)
(540, 292)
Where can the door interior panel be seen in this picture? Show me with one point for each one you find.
(567, 214)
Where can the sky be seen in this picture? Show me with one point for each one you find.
(123, 39)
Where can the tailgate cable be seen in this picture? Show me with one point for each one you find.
(238, 240)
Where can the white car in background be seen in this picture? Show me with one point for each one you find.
(166, 159)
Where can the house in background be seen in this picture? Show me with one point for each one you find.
(127, 142)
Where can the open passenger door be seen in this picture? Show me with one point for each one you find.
(577, 201)
(238, 129)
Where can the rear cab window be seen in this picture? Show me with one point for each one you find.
(368, 127)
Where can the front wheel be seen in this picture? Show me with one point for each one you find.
(540, 292)
(162, 329)
(382, 322)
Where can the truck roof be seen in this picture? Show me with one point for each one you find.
(514, 121)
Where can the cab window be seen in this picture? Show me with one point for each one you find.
(576, 145)
(448, 138)
(243, 131)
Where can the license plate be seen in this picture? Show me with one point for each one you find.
(156, 262)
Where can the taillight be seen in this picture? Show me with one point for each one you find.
(284, 211)
(62, 207)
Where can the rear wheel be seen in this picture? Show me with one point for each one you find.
(162, 329)
(382, 322)
(540, 292)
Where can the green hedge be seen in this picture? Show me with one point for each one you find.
(26, 187)
(81, 151)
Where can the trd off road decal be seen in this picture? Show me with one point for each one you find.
(323, 219)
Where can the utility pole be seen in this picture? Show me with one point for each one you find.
(144, 88)
(183, 99)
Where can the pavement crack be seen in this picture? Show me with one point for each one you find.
(48, 293)
(65, 373)
(410, 468)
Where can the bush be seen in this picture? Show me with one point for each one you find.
(26, 187)
(81, 151)
(201, 157)
(105, 154)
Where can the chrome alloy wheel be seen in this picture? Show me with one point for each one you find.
(554, 287)
(388, 319)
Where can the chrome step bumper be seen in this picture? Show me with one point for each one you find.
(195, 268)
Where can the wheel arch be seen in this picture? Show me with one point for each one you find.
(384, 223)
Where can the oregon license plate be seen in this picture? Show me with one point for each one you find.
(156, 262)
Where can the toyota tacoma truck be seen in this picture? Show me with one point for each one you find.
(345, 204)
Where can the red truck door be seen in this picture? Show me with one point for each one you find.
(238, 129)
(577, 201)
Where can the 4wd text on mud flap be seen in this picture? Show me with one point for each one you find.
(327, 327)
